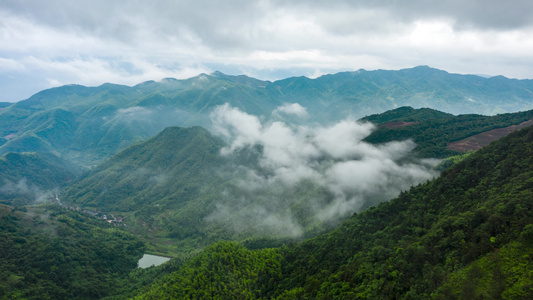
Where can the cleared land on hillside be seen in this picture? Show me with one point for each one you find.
(481, 140)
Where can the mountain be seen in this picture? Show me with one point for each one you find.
(434, 131)
(186, 192)
(173, 188)
(87, 125)
(164, 185)
(177, 186)
(27, 178)
(466, 234)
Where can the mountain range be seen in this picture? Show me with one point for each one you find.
(347, 186)
(86, 125)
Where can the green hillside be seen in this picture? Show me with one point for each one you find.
(225, 270)
(433, 130)
(87, 125)
(166, 185)
(466, 234)
(406, 114)
(182, 195)
(408, 247)
(26, 178)
(171, 188)
(49, 252)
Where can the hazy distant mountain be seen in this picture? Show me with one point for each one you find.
(88, 124)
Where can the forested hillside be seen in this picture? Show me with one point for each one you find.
(27, 178)
(165, 185)
(466, 234)
(432, 131)
(49, 252)
(409, 246)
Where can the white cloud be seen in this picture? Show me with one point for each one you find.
(182, 38)
(291, 109)
(10, 65)
(353, 173)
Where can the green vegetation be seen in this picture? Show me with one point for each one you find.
(171, 185)
(166, 186)
(432, 134)
(224, 270)
(51, 253)
(465, 234)
(26, 178)
(406, 114)
(408, 246)
(451, 161)
(505, 273)
(87, 125)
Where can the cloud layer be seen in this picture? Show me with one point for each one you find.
(44, 44)
(326, 172)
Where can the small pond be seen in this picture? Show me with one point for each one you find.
(149, 260)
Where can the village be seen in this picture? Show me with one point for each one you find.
(113, 220)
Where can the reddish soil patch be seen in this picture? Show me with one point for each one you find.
(481, 140)
(397, 124)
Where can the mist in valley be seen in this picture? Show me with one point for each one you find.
(305, 175)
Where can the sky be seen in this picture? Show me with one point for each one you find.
(50, 43)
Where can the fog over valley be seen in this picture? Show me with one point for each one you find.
(308, 172)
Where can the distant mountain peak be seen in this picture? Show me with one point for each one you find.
(218, 74)
(169, 79)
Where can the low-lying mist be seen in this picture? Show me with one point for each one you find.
(305, 176)
(23, 192)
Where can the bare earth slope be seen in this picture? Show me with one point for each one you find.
(481, 140)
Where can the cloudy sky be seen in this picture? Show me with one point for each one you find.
(54, 42)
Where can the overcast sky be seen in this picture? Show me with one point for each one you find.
(55, 42)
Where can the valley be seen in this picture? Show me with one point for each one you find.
(337, 186)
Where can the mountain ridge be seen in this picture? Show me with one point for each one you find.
(86, 125)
